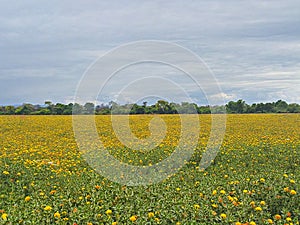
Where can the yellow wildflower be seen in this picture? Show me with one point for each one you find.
(57, 215)
(258, 208)
(150, 214)
(277, 217)
(262, 203)
(133, 218)
(108, 212)
(47, 208)
(4, 216)
(223, 216)
(196, 206)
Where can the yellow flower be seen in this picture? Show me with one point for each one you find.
(214, 192)
(89, 223)
(286, 189)
(156, 219)
(293, 192)
(52, 192)
(27, 198)
(252, 223)
(133, 218)
(222, 192)
(5, 172)
(47, 208)
(108, 212)
(4, 216)
(288, 219)
(150, 214)
(196, 206)
(262, 180)
(258, 209)
(214, 205)
(114, 223)
(230, 198)
(263, 203)
(245, 191)
(277, 217)
(270, 221)
(223, 216)
(238, 223)
(57, 215)
(292, 181)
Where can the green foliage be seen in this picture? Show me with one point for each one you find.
(160, 107)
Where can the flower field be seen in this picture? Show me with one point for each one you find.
(255, 178)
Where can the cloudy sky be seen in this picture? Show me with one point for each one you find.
(251, 47)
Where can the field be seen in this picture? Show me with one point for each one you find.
(253, 180)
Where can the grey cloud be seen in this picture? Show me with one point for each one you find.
(242, 42)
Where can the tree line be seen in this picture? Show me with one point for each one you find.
(160, 107)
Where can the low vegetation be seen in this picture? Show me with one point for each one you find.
(253, 180)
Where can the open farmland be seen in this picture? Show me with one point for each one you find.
(253, 180)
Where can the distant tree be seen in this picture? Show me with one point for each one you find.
(89, 108)
(236, 107)
(25, 109)
(188, 108)
(77, 109)
(204, 109)
(68, 109)
(43, 111)
(9, 110)
(58, 108)
(2, 110)
(137, 109)
(281, 106)
(102, 109)
(174, 107)
(218, 109)
(162, 107)
(293, 108)
(50, 106)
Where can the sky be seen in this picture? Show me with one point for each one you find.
(252, 48)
